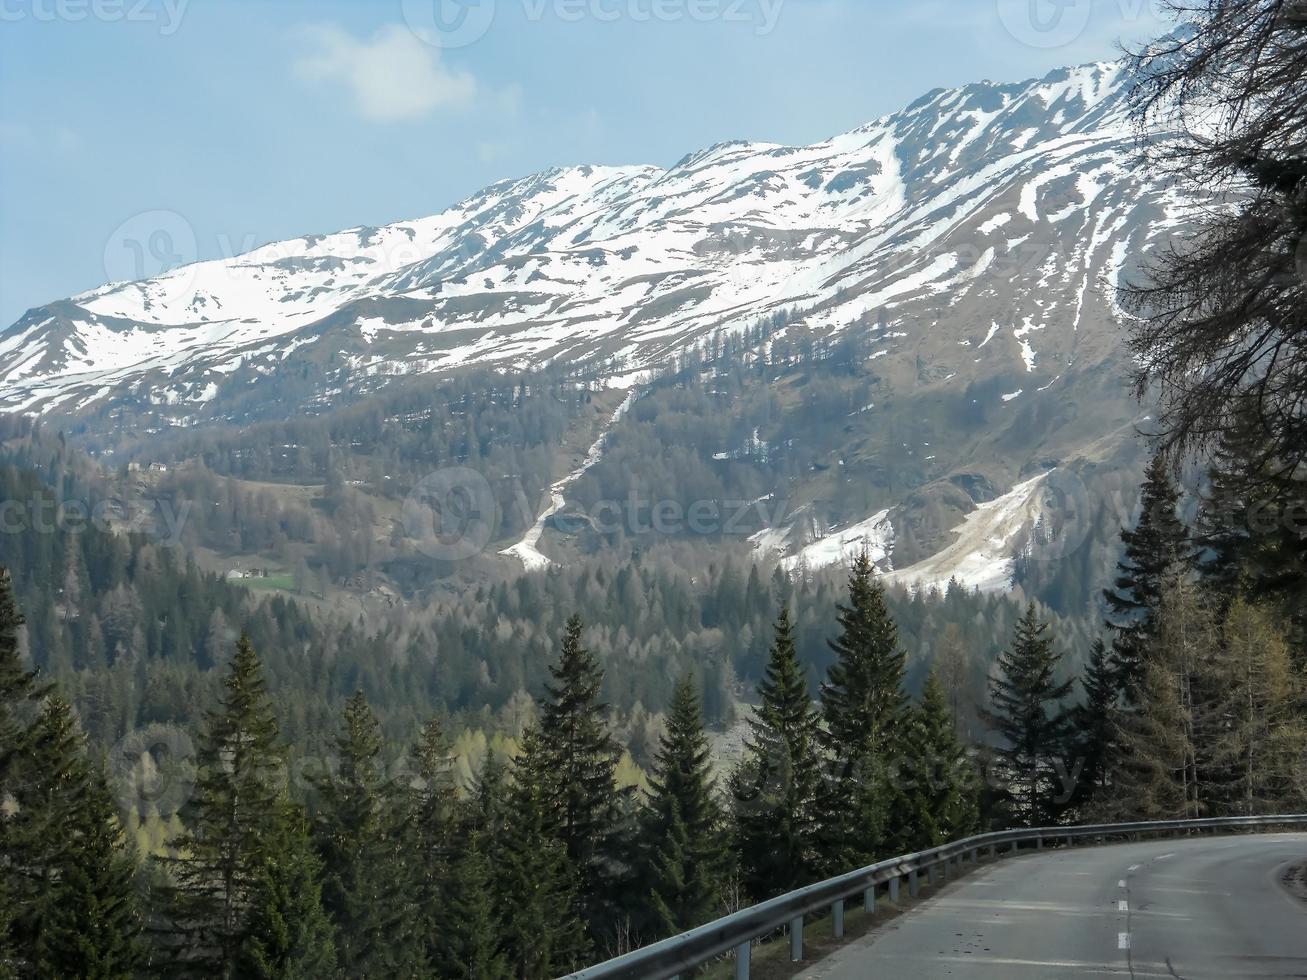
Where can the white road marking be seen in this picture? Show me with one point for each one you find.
(1163, 857)
(1121, 883)
(1123, 906)
(1134, 867)
(1123, 940)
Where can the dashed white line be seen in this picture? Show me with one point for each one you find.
(1123, 940)
(1163, 857)
(1123, 906)
(1134, 867)
(1121, 883)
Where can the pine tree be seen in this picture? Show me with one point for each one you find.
(86, 921)
(19, 691)
(1223, 536)
(357, 832)
(1154, 551)
(583, 757)
(433, 832)
(235, 810)
(544, 936)
(865, 708)
(953, 666)
(943, 792)
(681, 824)
(1159, 773)
(1248, 544)
(1260, 745)
(1026, 711)
(1092, 724)
(774, 789)
(470, 950)
(20, 846)
(288, 935)
(9, 961)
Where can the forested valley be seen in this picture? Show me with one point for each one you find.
(207, 774)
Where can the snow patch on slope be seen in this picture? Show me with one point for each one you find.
(527, 550)
(875, 536)
(981, 557)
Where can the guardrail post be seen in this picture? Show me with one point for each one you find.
(971, 856)
(837, 918)
(993, 852)
(1068, 840)
(1016, 846)
(930, 875)
(796, 939)
(913, 887)
(894, 891)
(1039, 843)
(742, 953)
(869, 899)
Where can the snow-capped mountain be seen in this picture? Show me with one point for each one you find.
(979, 231)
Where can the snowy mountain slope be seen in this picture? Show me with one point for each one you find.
(976, 230)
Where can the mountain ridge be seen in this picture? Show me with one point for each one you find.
(630, 263)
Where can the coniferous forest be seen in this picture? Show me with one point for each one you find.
(529, 775)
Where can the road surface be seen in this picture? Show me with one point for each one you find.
(1191, 908)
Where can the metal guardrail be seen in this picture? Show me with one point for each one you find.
(738, 931)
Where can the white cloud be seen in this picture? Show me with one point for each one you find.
(391, 77)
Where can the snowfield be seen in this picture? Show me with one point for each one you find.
(899, 219)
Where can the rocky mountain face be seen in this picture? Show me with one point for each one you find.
(975, 239)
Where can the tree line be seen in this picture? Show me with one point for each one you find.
(1192, 705)
(540, 864)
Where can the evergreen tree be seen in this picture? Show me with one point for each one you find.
(1154, 551)
(1093, 728)
(681, 824)
(235, 811)
(19, 691)
(470, 950)
(775, 786)
(1026, 711)
(433, 832)
(1248, 543)
(943, 791)
(544, 935)
(583, 757)
(865, 707)
(9, 961)
(357, 830)
(1223, 536)
(1158, 774)
(85, 921)
(1260, 744)
(288, 934)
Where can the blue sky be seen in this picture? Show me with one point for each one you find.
(230, 123)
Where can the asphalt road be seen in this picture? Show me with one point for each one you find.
(1191, 908)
